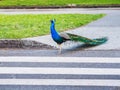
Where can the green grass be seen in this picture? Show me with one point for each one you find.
(56, 2)
(22, 26)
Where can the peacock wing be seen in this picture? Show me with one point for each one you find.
(65, 36)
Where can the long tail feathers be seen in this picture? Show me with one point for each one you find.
(87, 40)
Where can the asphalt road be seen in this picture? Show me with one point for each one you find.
(65, 53)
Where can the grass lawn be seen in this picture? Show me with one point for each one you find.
(29, 25)
(56, 2)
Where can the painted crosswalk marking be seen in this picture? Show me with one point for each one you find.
(83, 82)
(60, 59)
(90, 71)
(59, 71)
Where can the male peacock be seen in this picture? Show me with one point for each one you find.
(63, 37)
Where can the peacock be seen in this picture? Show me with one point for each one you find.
(60, 38)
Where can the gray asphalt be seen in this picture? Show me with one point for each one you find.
(65, 53)
(63, 65)
(18, 87)
(57, 76)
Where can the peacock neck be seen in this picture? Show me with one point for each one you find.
(53, 31)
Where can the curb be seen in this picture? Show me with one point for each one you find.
(52, 7)
(23, 44)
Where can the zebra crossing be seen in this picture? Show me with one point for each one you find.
(48, 72)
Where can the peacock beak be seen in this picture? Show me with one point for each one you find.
(54, 20)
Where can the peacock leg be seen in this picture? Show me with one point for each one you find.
(60, 48)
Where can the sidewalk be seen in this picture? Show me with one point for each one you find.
(60, 11)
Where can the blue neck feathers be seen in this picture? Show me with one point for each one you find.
(54, 33)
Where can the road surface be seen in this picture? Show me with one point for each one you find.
(65, 53)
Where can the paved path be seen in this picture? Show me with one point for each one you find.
(60, 11)
(42, 73)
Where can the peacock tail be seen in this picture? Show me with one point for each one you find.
(87, 40)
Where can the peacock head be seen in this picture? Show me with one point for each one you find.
(52, 21)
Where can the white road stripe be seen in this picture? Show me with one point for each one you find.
(89, 71)
(60, 59)
(82, 82)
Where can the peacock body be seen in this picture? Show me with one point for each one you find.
(63, 37)
(59, 39)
